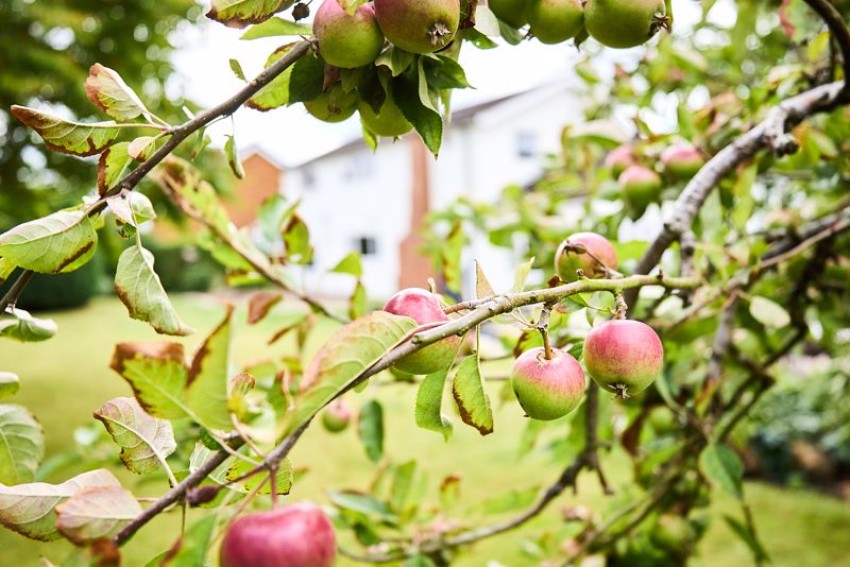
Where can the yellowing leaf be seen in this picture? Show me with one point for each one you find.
(482, 284)
(29, 508)
(96, 513)
(140, 290)
(66, 136)
(157, 373)
(107, 90)
(472, 401)
(206, 392)
(60, 242)
(240, 13)
(145, 441)
(112, 165)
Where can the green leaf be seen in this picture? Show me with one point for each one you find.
(7, 268)
(307, 79)
(142, 148)
(140, 290)
(236, 67)
(191, 549)
(359, 302)
(362, 504)
(184, 184)
(111, 165)
(240, 13)
(96, 513)
(206, 392)
(157, 373)
(25, 328)
(131, 207)
(296, 241)
(521, 275)
(445, 73)
(145, 441)
(418, 561)
(60, 242)
(283, 478)
(429, 403)
(451, 255)
(276, 27)
(66, 136)
(471, 399)
(9, 384)
(426, 121)
(723, 468)
(347, 353)
(396, 60)
(233, 158)
(351, 264)
(276, 93)
(21, 444)
(748, 537)
(28, 509)
(769, 313)
(107, 90)
(510, 501)
(370, 429)
(402, 482)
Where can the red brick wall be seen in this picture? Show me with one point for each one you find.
(261, 181)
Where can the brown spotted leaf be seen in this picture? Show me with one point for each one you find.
(112, 165)
(60, 242)
(157, 373)
(145, 441)
(29, 508)
(67, 136)
(206, 392)
(241, 13)
(96, 513)
(472, 401)
(107, 90)
(260, 304)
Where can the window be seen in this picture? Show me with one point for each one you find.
(366, 245)
(526, 144)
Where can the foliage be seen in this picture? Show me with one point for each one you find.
(750, 264)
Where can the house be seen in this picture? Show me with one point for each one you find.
(356, 200)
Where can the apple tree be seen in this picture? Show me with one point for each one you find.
(660, 346)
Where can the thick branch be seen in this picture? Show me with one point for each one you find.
(689, 203)
(840, 34)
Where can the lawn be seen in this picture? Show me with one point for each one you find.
(66, 379)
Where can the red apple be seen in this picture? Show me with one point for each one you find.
(299, 535)
(681, 162)
(547, 388)
(641, 186)
(347, 40)
(583, 251)
(620, 159)
(423, 307)
(623, 356)
(336, 416)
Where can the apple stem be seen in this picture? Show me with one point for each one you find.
(620, 306)
(543, 327)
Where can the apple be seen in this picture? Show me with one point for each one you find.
(512, 12)
(336, 416)
(580, 251)
(547, 388)
(347, 40)
(298, 535)
(623, 356)
(554, 21)
(418, 26)
(620, 158)
(641, 186)
(682, 161)
(333, 105)
(388, 121)
(624, 23)
(423, 307)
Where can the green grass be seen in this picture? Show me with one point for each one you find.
(67, 378)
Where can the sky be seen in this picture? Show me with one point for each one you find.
(291, 136)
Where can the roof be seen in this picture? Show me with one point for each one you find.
(461, 116)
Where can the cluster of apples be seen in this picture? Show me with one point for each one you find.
(613, 23)
(641, 177)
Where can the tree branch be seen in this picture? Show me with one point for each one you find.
(840, 33)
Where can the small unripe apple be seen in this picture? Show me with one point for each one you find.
(624, 23)
(641, 186)
(333, 105)
(681, 162)
(298, 535)
(336, 416)
(554, 21)
(623, 356)
(347, 40)
(583, 251)
(547, 388)
(388, 121)
(418, 26)
(512, 12)
(620, 159)
(423, 307)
